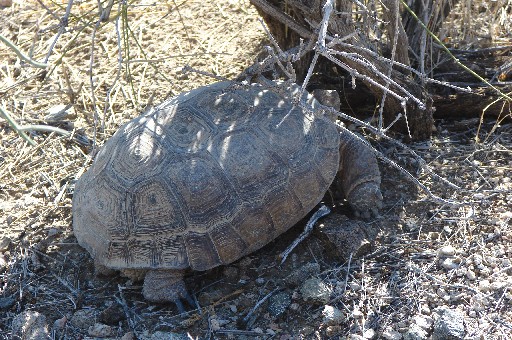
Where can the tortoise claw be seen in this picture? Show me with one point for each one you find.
(179, 305)
(184, 295)
(167, 286)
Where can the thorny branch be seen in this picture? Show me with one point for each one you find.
(324, 45)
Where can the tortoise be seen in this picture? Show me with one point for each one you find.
(212, 175)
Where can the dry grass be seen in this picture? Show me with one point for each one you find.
(408, 275)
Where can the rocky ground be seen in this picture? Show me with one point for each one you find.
(422, 270)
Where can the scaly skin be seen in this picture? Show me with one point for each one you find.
(166, 286)
(359, 176)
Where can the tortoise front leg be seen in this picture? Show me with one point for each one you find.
(359, 176)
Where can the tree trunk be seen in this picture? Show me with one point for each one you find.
(291, 20)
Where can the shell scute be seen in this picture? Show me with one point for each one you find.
(203, 179)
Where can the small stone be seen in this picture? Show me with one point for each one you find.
(260, 281)
(332, 331)
(484, 286)
(295, 306)
(449, 325)
(59, 113)
(355, 286)
(415, 332)
(298, 276)
(357, 314)
(4, 243)
(369, 334)
(60, 323)
(100, 330)
(442, 293)
(314, 290)
(278, 303)
(477, 259)
(161, 335)
(449, 264)
(423, 321)
(345, 237)
(128, 336)
(214, 324)
(425, 309)
(355, 337)
(112, 315)
(209, 297)
(332, 316)
(232, 273)
(446, 251)
(83, 318)
(306, 331)
(30, 325)
(391, 334)
(471, 275)
(270, 331)
(497, 285)
(7, 302)
(5, 3)
(447, 229)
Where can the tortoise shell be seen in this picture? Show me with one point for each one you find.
(204, 179)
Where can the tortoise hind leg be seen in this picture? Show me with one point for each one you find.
(166, 286)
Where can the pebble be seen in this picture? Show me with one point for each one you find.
(307, 331)
(355, 286)
(112, 314)
(449, 325)
(332, 316)
(128, 336)
(59, 113)
(100, 330)
(471, 275)
(477, 259)
(369, 334)
(214, 324)
(446, 251)
(391, 334)
(314, 290)
(415, 332)
(357, 314)
(449, 264)
(30, 325)
(484, 286)
(7, 302)
(5, 3)
(60, 323)
(4, 243)
(298, 276)
(332, 331)
(423, 321)
(425, 309)
(3, 261)
(160, 335)
(260, 281)
(279, 303)
(83, 318)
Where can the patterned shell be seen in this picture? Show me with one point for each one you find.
(204, 179)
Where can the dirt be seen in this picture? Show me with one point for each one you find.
(428, 255)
